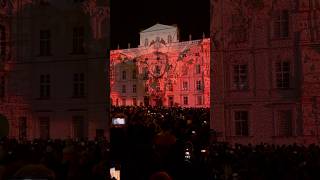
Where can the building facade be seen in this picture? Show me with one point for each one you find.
(265, 73)
(53, 68)
(162, 71)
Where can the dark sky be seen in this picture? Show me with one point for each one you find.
(129, 17)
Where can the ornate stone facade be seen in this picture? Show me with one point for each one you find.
(162, 71)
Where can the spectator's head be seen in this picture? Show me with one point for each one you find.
(160, 176)
(35, 171)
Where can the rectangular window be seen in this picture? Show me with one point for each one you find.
(171, 101)
(45, 43)
(22, 128)
(124, 102)
(185, 100)
(3, 43)
(199, 85)
(198, 69)
(134, 74)
(78, 40)
(281, 24)
(134, 88)
(199, 100)
(44, 127)
(241, 119)
(124, 89)
(240, 76)
(134, 101)
(185, 85)
(285, 123)
(78, 127)
(239, 28)
(45, 86)
(283, 75)
(124, 75)
(2, 86)
(78, 85)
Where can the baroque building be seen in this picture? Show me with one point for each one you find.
(162, 71)
(53, 66)
(265, 74)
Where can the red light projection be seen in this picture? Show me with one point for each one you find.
(162, 74)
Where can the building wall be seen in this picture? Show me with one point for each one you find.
(27, 64)
(172, 59)
(246, 33)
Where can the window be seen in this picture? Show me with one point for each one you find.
(241, 119)
(170, 86)
(2, 86)
(145, 73)
(281, 24)
(78, 85)
(185, 100)
(146, 42)
(134, 101)
(45, 46)
(117, 102)
(134, 88)
(78, 127)
(124, 89)
(283, 75)
(124, 103)
(198, 85)
(134, 74)
(45, 85)
(240, 76)
(199, 100)
(185, 85)
(285, 123)
(171, 101)
(22, 128)
(2, 40)
(44, 127)
(169, 39)
(198, 69)
(78, 40)
(124, 75)
(239, 28)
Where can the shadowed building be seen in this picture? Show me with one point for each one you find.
(265, 73)
(53, 67)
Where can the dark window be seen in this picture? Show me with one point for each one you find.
(199, 85)
(78, 127)
(3, 43)
(185, 100)
(78, 40)
(283, 75)
(124, 75)
(171, 101)
(134, 74)
(2, 86)
(45, 40)
(281, 24)
(45, 86)
(185, 85)
(22, 128)
(78, 85)
(44, 126)
(241, 119)
(198, 69)
(240, 76)
(124, 89)
(124, 102)
(285, 123)
(134, 88)
(239, 28)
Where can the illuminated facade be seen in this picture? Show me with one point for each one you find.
(265, 72)
(53, 66)
(162, 71)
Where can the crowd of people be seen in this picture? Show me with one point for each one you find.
(157, 143)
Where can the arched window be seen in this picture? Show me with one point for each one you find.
(2, 40)
(169, 39)
(146, 42)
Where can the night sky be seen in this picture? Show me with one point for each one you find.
(129, 17)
